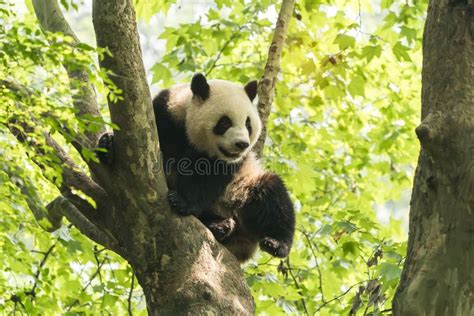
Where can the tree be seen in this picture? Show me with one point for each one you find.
(131, 214)
(339, 133)
(437, 276)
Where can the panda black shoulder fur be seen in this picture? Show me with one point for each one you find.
(207, 131)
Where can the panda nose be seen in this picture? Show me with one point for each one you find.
(241, 145)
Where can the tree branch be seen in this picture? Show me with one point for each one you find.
(318, 268)
(56, 210)
(73, 178)
(32, 292)
(297, 285)
(87, 220)
(129, 301)
(221, 51)
(32, 199)
(339, 296)
(266, 86)
(51, 19)
(136, 143)
(85, 226)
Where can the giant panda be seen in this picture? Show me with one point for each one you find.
(207, 130)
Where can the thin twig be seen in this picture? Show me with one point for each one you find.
(221, 51)
(303, 302)
(318, 268)
(32, 292)
(340, 295)
(97, 272)
(132, 284)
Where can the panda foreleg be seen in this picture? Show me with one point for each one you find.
(181, 206)
(269, 214)
(106, 143)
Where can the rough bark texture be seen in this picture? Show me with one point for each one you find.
(266, 86)
(180, 266)
(438, 276)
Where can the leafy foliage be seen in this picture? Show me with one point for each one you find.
(61, 272)
(341, 135)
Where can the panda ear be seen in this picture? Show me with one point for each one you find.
(251, 89)
(199, 86)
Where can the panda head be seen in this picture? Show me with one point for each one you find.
(221, 120)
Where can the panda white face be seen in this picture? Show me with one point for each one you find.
(221, 119)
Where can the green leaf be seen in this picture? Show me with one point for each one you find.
(344, 41)
(386, 4)
(409, 33)
(108, 300)
(369, 52)
(401, 52)
(161, 73)
(389, 271)
(356, 86)
(349, 247)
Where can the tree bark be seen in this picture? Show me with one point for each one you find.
(438, 275)
(266, 86)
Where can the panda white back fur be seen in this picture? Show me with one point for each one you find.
(207, 130)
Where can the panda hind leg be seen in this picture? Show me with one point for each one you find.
(276, 248)
(241, 245)
(269, 214)
(222, 228)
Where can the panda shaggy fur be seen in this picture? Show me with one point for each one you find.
(207, 130)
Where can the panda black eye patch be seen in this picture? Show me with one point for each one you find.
(248, 125)
(222, 125)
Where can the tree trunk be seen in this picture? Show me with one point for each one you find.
(178, 263)
(438, 276)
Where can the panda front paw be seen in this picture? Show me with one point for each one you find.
(105, 154)
(275, 247)
(222, 229)
(179, 205)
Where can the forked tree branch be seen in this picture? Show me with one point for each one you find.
(61, 205)
(72, 176)
(58, 208)
(266, 86)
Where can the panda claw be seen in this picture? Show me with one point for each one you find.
(106, 142)
(221, 230)
(179, 205)
(176, 201)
